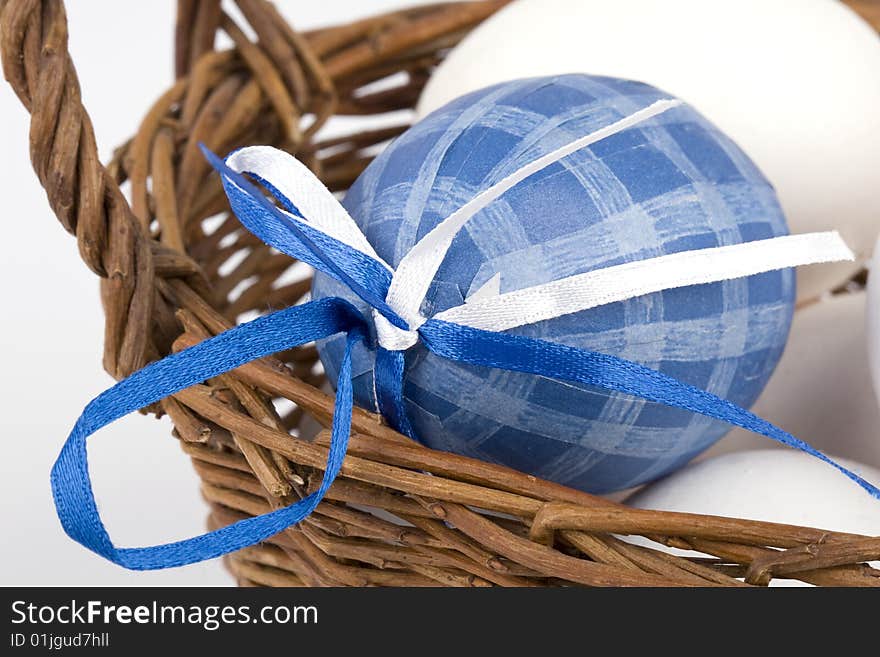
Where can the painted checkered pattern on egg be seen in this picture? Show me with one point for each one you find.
(672, 184)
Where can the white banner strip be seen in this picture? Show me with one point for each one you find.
(417, 269)
(292, 178)
(633, 279)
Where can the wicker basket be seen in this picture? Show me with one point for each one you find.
(399, 514)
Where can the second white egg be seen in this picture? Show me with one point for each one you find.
(821, 390)
(771, 485)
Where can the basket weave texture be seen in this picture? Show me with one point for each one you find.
(176, 267)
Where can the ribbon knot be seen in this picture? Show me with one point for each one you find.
(393, 338)
(317, 230)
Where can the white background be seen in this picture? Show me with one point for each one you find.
(51, 340)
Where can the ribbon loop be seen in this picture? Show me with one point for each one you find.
(290, 234)
(71, 482)
(316, 205)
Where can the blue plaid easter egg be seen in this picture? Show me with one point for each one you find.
(673, 183)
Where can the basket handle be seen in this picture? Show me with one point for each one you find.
(83, 195)
(71, 483)
(113, 235)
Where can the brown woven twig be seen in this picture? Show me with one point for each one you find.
(173, 273)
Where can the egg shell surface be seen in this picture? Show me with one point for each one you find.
(673, 183)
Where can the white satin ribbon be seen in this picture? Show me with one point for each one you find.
(417, 269)
(489, 310)
(299, 185)
(633, 279)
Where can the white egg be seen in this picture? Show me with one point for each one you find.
(773, 485)
(873, 320)
(795, 84)
(821, 390)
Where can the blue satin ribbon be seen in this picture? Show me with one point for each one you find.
(71, 484)
(365, 277)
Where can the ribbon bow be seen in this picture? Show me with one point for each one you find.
(319, 231)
